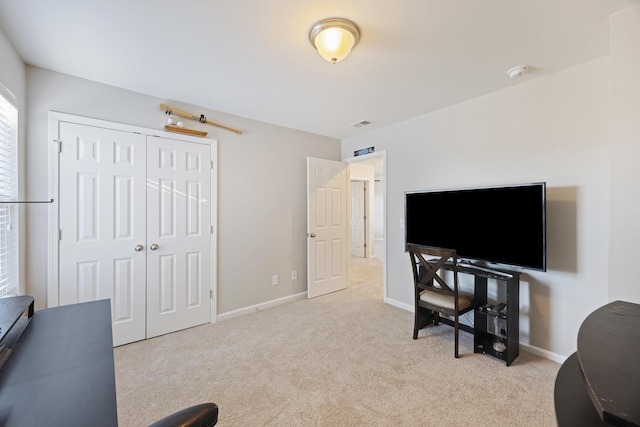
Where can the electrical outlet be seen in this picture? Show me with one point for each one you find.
(275, 280)
(294, 274)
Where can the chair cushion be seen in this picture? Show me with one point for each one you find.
(464, 300)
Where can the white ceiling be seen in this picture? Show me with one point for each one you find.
(252, 58)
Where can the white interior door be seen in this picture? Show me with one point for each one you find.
(358, 218)
(327, 226)
(178, 235)
(102, 221)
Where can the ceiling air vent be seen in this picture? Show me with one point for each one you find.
(361, 123)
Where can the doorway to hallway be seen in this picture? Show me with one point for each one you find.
(371, 267)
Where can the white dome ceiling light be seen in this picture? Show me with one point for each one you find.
(334, 38)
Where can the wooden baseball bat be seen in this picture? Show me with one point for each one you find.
(201, 119)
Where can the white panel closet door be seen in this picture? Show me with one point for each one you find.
(102, 220)
(178, 235)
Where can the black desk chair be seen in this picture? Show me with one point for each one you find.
(433, 296)
(203, 415)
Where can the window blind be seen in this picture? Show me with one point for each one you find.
(8, 191)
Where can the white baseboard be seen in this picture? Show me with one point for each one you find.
(537, 351)
(261, 306)
(399, 304)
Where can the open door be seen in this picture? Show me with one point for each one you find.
(327, 226)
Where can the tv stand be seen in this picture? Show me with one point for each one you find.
(496, 333)
(478, 268)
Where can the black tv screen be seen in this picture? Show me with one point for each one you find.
(503, 225)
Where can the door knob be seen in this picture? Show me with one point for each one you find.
(312, 235)
(138, 248)
(153, 247)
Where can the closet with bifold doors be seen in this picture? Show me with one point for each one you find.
(134, 216)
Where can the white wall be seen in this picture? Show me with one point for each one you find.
(364, 172)
(378, 196)
(261, 185)
(579, 131)
(551, 129)
(12, 69)
(378, 231)
(624, 189)
(13, 78)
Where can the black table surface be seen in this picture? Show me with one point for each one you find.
(572, 402)
(61, 372)
(609, 354)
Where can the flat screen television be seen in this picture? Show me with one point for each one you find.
(502, 225)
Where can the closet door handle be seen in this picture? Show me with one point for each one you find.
(138, 248)
(153, 247)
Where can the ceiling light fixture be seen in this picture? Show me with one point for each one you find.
(334, 38)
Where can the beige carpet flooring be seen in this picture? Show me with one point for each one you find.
(344, 359)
